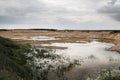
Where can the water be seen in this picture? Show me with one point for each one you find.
(41, 38)
(35, 38)
(87, 50)
(92, 57)
(78, 61)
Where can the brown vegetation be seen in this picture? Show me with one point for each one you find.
(65, 36)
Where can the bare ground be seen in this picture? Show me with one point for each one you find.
(69, 36)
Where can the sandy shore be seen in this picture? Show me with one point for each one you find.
(63, 36)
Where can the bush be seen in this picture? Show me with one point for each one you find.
(115, 75)
(13, 60)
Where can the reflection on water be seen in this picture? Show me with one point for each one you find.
(94, 51)
(80, 61)
(39, 38)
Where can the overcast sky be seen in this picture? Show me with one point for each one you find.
(60, 14)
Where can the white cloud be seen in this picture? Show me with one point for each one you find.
(55, 12)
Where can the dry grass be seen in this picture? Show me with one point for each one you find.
(73, 36)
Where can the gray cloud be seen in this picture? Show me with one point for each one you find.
(58, 12)
(112, 2)
(21, 11)
(21, 8)
(112, 9)
(7, 19)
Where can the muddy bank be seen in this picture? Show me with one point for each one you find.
(65, 36)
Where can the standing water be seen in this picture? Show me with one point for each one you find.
(83, 61)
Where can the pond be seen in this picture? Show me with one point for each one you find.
(35, 38)
(39, 38)
(79, 61)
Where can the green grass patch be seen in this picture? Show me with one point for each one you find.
(13, 60)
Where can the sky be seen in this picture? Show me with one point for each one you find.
(60, 14)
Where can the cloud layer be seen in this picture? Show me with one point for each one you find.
(112, 9)
(82, 14)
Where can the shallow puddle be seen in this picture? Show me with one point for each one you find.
(35, 38)
(72, 61)
(92, 57)
(39, 38)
